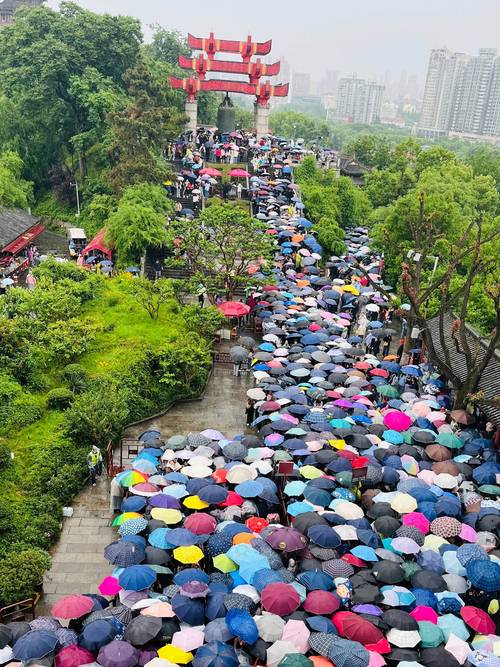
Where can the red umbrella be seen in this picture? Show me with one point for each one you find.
(281, 599)
(478, 620)
(233, 499)
(355, 628)
(256, 524)
(234, 308)
(353, 560)
(380, 372)
(72, 606)
(321, 602)
(74, 656)
(270, 406)
(200, 523)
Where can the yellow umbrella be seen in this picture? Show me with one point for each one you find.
(188, 555)
(433, 542)
(351, 289)
(403, 503)
(224, 563)
(168, 516)
(310, 472)
(174, 654)
(194, 503)
(337, 444)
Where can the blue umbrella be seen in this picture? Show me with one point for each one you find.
(365, 553)
(181, 537)
(34, 645)
(190, 611)
(97, 634)
(242, 625)
(216, 654)
(137, 578)
(191, 574)
(345, 653)
(249, 489)
(484, 574)
(321, 624)
(215, 606)
(213, 494)
(324, 536)
(159, 538)
(133, 504)
(315, 580)
(135, 539)
(124, 553)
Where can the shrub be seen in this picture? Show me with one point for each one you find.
(5, 458)
(5, 514)
(67, 481)
(66, 340)
(59, 398)
(203, 321)
(19, 412)
(21, 573)
(76, 376)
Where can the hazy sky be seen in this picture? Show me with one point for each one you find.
(363, 36)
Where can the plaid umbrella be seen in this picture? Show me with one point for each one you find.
(198, 440)
(346, 653)
(412, 533)
(239, 601)
(338, 568)
(321, 642)
(124, 554)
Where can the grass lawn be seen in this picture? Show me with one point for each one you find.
(125, 329)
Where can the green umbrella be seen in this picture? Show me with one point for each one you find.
(490, 489)
(281, 455)
(450, 440)
(295, 660)
(344, 478)
(431, 634)
(388, 390)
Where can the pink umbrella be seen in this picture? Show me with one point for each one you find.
(210, 171)
(239, 173)
(418, 520)
(188, 639)
(234, 308)
(280, 599)
(423, 613)
(297, 633)
(72, 606)
(73, 656)
(376, 660)
(200, 523)
(397, 421)
(159, 610)
(468, 533)
(109, 586)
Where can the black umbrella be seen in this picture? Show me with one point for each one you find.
(389, 572)
(155, 556)
(18, 629)
(438, 657)
(169, 627)
(142, 630)
(304, 521)
(432, 581)
(365, 593)
(401, 620)
(386, 525)
(5, 636)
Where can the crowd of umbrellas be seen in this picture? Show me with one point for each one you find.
(357, 526)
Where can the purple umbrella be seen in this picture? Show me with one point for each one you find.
(118, 654)
(286, 539)
(164, 501)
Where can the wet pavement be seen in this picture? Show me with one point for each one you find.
(78, 563)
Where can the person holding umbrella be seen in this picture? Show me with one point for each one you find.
(250, 412)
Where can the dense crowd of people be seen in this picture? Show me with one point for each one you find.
(355, 524)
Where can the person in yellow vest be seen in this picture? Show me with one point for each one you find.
(94, 463)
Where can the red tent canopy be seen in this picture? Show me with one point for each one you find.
(24, 240)
(97, 243)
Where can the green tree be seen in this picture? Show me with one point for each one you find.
(294, 125)
(370, 150)
(203, 321)
(151, 295)
(15, 192)
(132, 228)
(142, 130)
(222, 244)
(41, 57)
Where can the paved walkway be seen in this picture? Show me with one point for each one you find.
(78, 564)
(223, 408)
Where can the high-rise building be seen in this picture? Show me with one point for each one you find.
(358, 100)
(461, 94)
(301, 84)
(8, 7)
(328, 84)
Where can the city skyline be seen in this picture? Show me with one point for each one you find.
(365, 39)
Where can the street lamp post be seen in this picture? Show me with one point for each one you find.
(75, 185)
